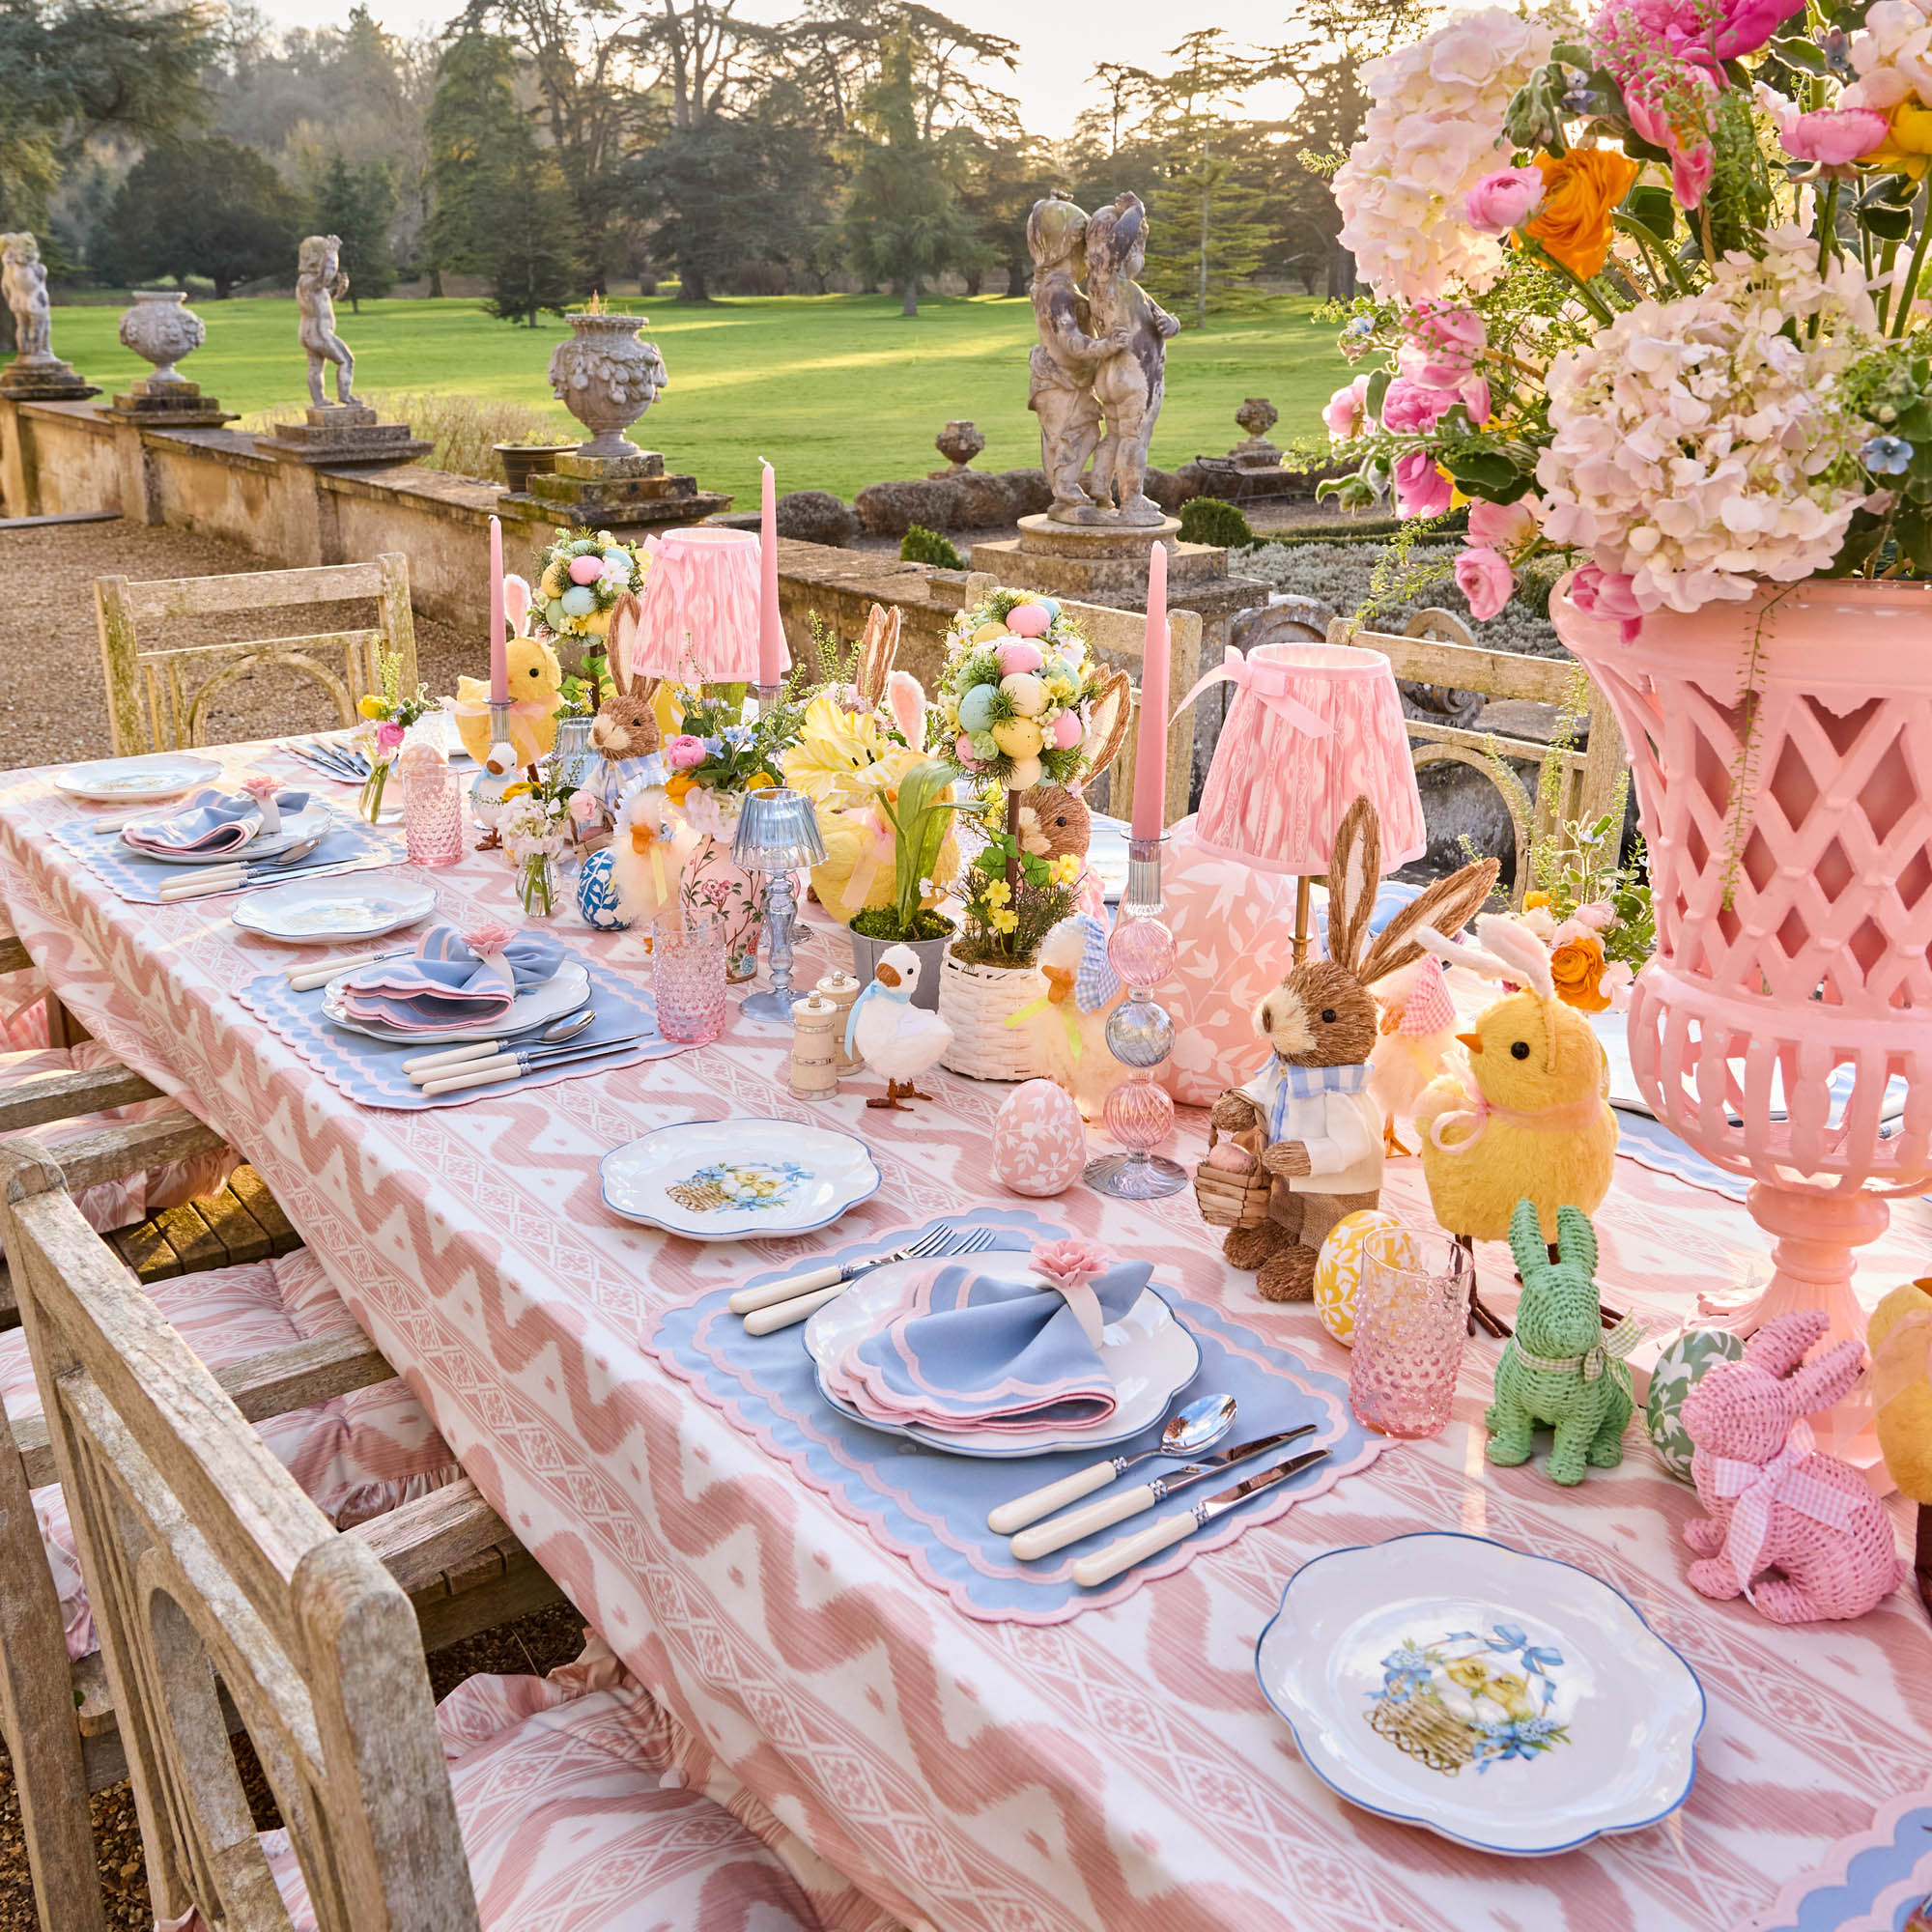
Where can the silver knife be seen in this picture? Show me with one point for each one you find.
(1125, 1551)
(1057, 1531)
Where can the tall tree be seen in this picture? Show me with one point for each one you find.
(473, 112)
(527, 240)
(205, 208)
(358, 204)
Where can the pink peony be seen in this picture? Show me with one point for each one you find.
(1475, 393)
(1672, 125)
(1421, 489)
(1608, 594)
(1347, 409)
(1598, 915)
(583, 807)
(1070, 1262)
(1409, 409)
(390, 735)
(1444, 343)
(1503, 200)
(1833, 138)
(490, 938)
(1743, 26)
(1503, 525)
(684, 752)
(1485, 580)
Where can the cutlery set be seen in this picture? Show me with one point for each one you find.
(332, 760)
(779, 1304)
(238, 876)
(475, 1067)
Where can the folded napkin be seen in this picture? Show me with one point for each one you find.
(452, 980)
(1012, 1356)
(211, 822)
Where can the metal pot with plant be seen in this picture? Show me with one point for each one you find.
(915, 816)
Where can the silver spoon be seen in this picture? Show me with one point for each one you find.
(296, 853)
(569, 1027)
(1196, 1425)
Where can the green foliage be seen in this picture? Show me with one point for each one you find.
(1208, 519)
(919, 816)
(358, 205)
(921, 544)
(205, 208)
(1013, 899)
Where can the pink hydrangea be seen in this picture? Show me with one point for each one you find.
(684, 752)
(1485, 580)
(1503, 200)
(1503, 526)
(1071, 1261)
(1421, 488)
(1833, 137)
(1347, 409)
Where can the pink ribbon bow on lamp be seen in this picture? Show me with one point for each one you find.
(1272, 683)
(1753, 1489)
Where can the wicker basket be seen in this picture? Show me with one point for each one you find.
(1230, 1200)
(975, 1002)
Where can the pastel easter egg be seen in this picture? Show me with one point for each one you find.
(1029, 620)
(1025, 772)
(1028, 693)
(990, 634)
(578, 601)
(963, 749)
(597, 893)
(1066, 732)
(1056, 668)
(1019, 656)
(976, 707)
(554, 614)
(1338, 1269)
(586, 569)
(1678, 1371)
(1018, 737)
(1040, 1144)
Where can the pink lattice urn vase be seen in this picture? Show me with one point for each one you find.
(1790, 997)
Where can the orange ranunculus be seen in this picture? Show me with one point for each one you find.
(1580, 191)
(1907, 143)
(1577, 969)
(1535, 901)
(677, 785)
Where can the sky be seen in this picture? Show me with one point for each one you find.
(1057, 41)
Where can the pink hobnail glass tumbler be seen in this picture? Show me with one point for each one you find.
(433, 815)
(688, 975)
(1412, 1312)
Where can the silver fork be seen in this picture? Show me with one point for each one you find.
(777, 1304)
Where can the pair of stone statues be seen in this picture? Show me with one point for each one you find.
(1100, 366)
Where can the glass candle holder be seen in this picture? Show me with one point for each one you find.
(688, 977)
(1411, 1319)
(432, 816)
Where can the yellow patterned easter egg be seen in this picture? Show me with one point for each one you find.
(1338, 1270)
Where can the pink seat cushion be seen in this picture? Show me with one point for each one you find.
(358, 1456)
(574, 1821)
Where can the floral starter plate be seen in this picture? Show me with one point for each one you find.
(315, 914)
(726, 1181)
(312, 821)
(1149, 1353)
(562, 994)
(1509, 1702)
(137, 781)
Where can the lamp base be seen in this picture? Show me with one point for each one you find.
(775, 1006)
(1135, 1177)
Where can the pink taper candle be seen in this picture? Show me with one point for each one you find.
(774, 660)
(1151, 744)
(499, 655)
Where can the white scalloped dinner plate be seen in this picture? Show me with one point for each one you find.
(302, 913)
(562, 994)
(731, 1179)
(136, 781)
(1511, 1703)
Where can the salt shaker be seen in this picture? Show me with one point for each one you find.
(842, 989)
(815, 1052)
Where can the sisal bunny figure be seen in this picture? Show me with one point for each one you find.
(626, 725)
(1774, 1503)
(1318, 1132)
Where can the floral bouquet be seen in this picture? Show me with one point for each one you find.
(584, 573)
(1015, 694)
(1648, 296)
(387, 713)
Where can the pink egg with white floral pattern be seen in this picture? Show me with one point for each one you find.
(586, 569)
(1029, 620)
(1040, 1143)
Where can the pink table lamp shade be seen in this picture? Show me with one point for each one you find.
(698, 612)
(1311, 726)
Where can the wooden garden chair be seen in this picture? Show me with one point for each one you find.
(158, 696)
(212, 1572)
(457, 1566)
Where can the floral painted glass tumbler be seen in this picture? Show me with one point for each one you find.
(688, 977)
(1411, 1319)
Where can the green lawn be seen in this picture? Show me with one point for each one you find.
(837, 391)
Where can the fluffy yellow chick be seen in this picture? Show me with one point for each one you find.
(536, 686)
(1903, 1388)
(1540, 1128)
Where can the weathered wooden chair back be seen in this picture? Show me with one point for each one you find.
(160, 697)
(1436, 651)
(209, 1570)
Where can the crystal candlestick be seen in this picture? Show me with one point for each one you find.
(1140, 1034)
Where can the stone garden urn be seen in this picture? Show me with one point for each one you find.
(607, 378)
(162, 328)
(1257, 416)
(959, 442)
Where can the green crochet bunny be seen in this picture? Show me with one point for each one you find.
(1560, 1369)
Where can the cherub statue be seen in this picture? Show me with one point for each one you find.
(318, 280)
(1066, 358)
(1133, 378)
(24, 281)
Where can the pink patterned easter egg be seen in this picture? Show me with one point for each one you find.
(1018, 656)
(1040, 1144)
(1029, 620)
(586, 569)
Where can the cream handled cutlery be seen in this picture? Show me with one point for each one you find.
(515, 1066)
(426, 1067)
(306, 979)
(1125, 1551)
(1044, 1537)
(772, 1312)
(234, 879)
(1196, 1425)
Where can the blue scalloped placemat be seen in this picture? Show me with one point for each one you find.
(930, 1508)
(135, 879)
(1869, 1883)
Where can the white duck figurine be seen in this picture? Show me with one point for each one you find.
(891, 1034)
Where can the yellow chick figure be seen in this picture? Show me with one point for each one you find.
(1538, 1127)
(1901, 1339)
(537, 688)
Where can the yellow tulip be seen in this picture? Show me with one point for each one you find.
(372, 706)
(1907, 143)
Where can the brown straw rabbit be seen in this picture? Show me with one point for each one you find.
(1321, 1132)
(625, 726)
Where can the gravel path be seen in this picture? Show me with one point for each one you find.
(52, 701)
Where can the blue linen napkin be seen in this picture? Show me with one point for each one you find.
(211, 822)
(452, 980)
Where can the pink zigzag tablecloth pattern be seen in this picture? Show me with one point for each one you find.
(1116, 1772)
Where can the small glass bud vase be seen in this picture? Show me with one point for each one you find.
(536, 883)
(369, 801)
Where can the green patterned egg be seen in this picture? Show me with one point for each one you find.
(1678, 1369)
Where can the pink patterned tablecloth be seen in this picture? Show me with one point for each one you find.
(1120, 1771)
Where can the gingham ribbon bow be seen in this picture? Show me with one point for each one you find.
(1096, 983)
(1753, 1489)
(1606, 1358)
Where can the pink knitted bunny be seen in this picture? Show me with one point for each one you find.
(1774, 1502)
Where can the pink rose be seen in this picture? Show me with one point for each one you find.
(684, 752)
(1409, 409)
(1485, 580)
(390, 735)
(1503, 526)
(1608, 594)
(583, 807)
(262, 789)
(1833, 138)
(1421, 489)
(1444, 342)
(1070, 1262)
(485, 939)
(1346, 408)
(1598, 915)
(1503, 200)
